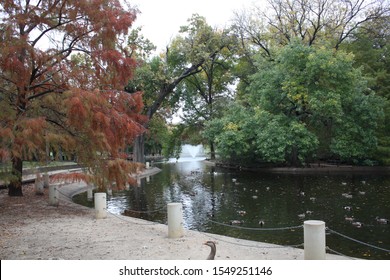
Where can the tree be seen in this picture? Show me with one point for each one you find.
(158, 83)
(370, 47)
(62, 72)
(320, 88)
(313, 22)
(159, 76)
(233, 134)
(205, 94)
(308, 102)
(358, 26)
(157, 136)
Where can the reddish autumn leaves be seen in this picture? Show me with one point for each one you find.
(62, 71)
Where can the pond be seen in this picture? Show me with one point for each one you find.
(232, 203)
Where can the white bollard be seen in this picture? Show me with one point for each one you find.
(53, 195)
(101, 205)
(175, 220)
(147, 165)
(314, 240)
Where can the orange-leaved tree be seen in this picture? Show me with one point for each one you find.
(62, 75)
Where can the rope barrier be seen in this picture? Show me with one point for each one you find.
(357, 241)
(61, 193)
(214, 237)
(146, 212)
(122, 218)
(257, 229)
(338, 253)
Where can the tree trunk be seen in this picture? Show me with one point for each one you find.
(139, 148)
(212, 150)
(294, 157)
(15, 186)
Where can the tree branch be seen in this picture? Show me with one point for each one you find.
(61, 126)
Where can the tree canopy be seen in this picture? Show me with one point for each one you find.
(62, 75)
(314, 68)
(163, 77)
(203, 95)
(307, 103)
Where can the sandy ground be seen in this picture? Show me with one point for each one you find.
(32, 229)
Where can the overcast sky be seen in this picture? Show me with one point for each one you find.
(161, 19)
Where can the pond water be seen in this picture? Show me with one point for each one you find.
(214, 198)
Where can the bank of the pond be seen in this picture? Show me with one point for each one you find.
(312, 169)
(31, 229)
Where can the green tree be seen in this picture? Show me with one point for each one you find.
(173, 143)
(280, 139)
(157, 136)
(313, 22)
(205, 93)
(159, 76)
(264, 29)
(307, 102)
(321, 88)
(254, 136)
(370, 47)
(233, 134)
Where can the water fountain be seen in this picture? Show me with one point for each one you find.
(190, 153)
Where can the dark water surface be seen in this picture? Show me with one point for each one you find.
(213, 197)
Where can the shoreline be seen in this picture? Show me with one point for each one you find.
(313, 169)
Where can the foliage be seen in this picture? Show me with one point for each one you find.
(172, 146)
(233, 134)
(247, 135)
(315, 22)
(279, 139)
(204, 95)
(62, 71)
(308, 102)
(161, 77)
(370, 46)
(157, 136)
(262, 30)
(321, 88)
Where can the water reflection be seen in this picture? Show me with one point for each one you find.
(212, 194)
